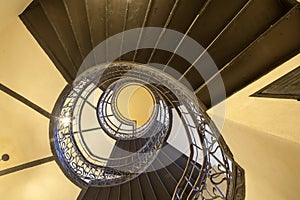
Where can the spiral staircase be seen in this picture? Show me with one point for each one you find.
(245, 39)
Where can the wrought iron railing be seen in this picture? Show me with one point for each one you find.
(210, 172)
(76, 159)
(119, 128)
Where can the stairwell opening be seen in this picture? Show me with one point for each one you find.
(135, 103)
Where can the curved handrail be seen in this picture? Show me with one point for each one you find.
(209, 155)
(115, 131)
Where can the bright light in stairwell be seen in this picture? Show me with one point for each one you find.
(65, 120)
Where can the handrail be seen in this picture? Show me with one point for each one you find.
(117, 132)
(209, 159)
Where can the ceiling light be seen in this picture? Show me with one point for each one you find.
(5, 157)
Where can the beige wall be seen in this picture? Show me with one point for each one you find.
(279, 117)
(26, 69)
(44, 182)
(271, 163)
(24, 134)
(263, 134)
(9, 10)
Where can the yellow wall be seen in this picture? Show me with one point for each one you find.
(279, 117)
(263, 134)
(135, 103)
(271, 163)
(24, 134)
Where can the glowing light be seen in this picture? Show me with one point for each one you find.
(65, 120)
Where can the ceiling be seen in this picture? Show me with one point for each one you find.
(269, 126)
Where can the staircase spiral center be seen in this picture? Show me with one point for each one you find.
(136, 103)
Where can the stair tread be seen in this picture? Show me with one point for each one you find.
(271, 44)
(180, 22)
(145, 183)
(57, 15)
(125, 191)
(209, 30)
(157, 17)
(91, 193)
(114, 193)
(136, 191)
(147, 189)
(165, 176)
(77, 13)
(244, 28)
(158, 185)
(34, 19)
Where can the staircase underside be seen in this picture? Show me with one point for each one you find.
(157, 184)
(245, 38)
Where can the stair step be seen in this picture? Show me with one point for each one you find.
(180, 22)
(245, 28)
(269, 50)
(103, 193)
(158, 186)
(91, 193)
(238, 34)
(171, 166)
(96, 15)
(57, 15)
(147, 188)
(175, 154)
(77, 14)
(165, 176)
(209, 30)
(116, 16)
(157, 17)
(40, 27)
(204, 31)
(60, 27)
(96, 193)
(121, 150)
(145, 183)
(136, 190)
(136, 16)
(115, 193)
(125, 191)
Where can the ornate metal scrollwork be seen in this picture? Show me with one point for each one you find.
(218, 176)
